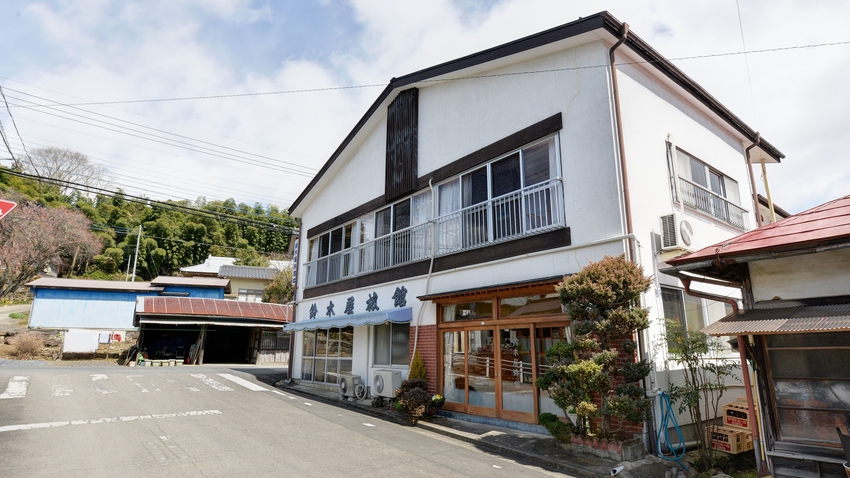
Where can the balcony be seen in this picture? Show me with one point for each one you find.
(533, 210)
(716, 206)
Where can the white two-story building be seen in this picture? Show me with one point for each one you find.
(470, 188)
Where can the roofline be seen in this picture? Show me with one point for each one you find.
(601, 20)
(763, 201)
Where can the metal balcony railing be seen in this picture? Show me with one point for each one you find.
(697, 197)
(533, 210)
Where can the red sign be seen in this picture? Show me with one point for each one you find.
(6, 207)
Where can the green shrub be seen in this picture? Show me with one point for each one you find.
(557, 428)
(412, 397)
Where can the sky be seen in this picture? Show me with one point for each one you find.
(139, 56)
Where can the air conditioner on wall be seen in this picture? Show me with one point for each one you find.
(676, 233)
(385, 382)
(351, 386)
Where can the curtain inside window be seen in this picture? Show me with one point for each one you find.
(506, 175)
(535, 163)
(474, 187)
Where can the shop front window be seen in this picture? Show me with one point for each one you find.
(327, 354)
(392, 344)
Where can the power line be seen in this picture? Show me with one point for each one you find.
(747, 63)
(154, 129)
(135, 180)
(311, 90)
(175, 143)
(167, 122)
(16, 130)
(224, 217)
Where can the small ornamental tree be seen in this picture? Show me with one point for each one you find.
(705, 369)
(417, 367)
(603, 301)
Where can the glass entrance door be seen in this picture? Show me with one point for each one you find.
(489, 372)
(516, 377)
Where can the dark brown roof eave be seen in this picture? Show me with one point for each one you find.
(582, 25)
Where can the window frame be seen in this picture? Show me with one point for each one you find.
(326, 356)
(375, 344)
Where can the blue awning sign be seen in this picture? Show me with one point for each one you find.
(398, 316)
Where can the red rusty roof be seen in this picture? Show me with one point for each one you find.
(820, 226)
(184, 306)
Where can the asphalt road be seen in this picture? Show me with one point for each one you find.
(207, 421)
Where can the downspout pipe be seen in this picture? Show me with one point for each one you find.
(745, 371)
(622, 149)
(755, 196)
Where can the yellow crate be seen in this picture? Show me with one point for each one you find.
(728, 439)
(736, 415)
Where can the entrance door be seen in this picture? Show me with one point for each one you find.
(489, 372)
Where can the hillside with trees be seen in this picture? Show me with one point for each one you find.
(175, 234)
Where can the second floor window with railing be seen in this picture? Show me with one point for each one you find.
(513, 196)
(710, 191)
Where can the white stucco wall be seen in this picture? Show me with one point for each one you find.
(823, 274)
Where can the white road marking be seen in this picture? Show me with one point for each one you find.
(33, 426)
(368, 425)
(212, 383)
(308, 404)
(17, 387)
(137, 384)
(241, 381)
(188, 387)
(279, 393)
(496, 466)
(63, 388)
(102, 383)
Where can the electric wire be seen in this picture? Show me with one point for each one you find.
(175, 143)
(168, 122)
(15, 124)
(374, 85)
(171, 189)
(270, 226)
(747, 63)
(307, 168)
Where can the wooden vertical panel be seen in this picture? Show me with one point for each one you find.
(402, 172)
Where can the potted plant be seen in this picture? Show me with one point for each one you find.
(437, 401)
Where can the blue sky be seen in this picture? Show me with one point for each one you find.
(112, 50)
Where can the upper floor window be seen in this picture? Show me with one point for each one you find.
(708, 190)
(499, 200)
(692, 313)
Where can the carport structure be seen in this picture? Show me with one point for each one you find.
(212, 330)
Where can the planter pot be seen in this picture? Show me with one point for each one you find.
(847, 469)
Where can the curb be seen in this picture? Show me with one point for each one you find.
(371, 411)
(526, 457)
(530, 458)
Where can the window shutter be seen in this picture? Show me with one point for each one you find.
(402, 145)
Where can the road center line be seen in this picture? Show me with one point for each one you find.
(130, 418)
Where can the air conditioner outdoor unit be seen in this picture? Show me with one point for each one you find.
(676, 233)
(348, 385)
(385, 382)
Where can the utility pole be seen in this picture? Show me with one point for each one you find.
(136, 260)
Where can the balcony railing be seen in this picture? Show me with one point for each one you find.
(533, 210)
(697, 197)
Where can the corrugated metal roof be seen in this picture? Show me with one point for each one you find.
(89, 284)
(821, 225)
(173, 306)
(787, 320)
(248, 272)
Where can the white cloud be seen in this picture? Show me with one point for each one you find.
(116, 50)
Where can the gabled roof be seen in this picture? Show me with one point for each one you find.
(214, 282)
(88, 284)
(822, 226)
(248, 272)
(604, 22)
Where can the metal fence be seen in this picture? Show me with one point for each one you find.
(533, 210)
(697, 197)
